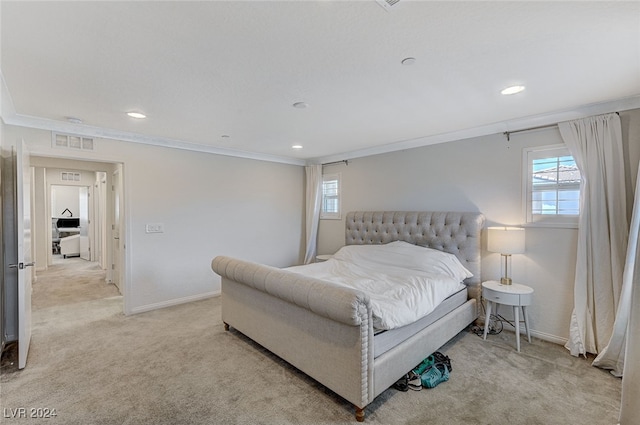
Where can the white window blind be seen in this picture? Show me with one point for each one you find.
(331, 197)
(552, 191)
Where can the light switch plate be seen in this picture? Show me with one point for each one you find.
(154, 228)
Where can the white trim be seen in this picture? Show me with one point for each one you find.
(105, 133)
(546, 337)
(6, 105)
(542, 224)
(537, 334)
(126, 263)
(173, 302)
(10, 117)
(624, 104)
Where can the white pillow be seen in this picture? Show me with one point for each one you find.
(405, 255)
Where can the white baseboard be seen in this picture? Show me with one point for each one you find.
(548, 337)
(536, 334)
(176, 301)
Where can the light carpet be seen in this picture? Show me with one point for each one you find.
(70, 281)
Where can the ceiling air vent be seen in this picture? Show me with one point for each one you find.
(388, 5)
(59, 140)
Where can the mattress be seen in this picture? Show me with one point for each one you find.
(385, 340)
(404, 282)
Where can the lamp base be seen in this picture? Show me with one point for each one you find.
(505, 281)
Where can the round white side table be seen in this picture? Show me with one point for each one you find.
(516, 295)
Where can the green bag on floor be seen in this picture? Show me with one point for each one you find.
(434, 375)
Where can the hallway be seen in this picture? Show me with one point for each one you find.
(70, 281)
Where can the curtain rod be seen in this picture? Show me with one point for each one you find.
(346, 162)
(508, 133)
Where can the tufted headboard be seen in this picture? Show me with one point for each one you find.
(455, 232)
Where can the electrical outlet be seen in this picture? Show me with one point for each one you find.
(154, 228)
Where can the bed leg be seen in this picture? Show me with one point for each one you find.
(226, 326)
(359, 414)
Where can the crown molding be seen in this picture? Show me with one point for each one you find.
(624, 104)
(106, 133)
(10, 117)
(6, 102)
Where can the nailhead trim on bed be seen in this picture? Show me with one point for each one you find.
(365, 354)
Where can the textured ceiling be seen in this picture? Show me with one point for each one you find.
(201, 70)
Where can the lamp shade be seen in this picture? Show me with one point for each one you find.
(506, 240)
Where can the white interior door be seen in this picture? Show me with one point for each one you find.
(24, 263)
(117, 211)
(100, 226)
(83, 215)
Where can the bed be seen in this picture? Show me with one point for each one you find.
(327, 331)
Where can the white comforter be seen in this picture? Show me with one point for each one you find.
(404, 282)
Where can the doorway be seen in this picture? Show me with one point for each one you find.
(72, 221)
(39, 170)
(75, 213)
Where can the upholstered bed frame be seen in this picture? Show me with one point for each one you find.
(326, 330)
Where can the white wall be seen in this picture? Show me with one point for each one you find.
(64, 198)
(65, 194)
(480, 174)
(209, 205)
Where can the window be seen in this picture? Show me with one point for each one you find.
(552, 186)
(330, 197)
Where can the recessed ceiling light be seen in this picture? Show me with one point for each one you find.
(300, 105)
(138, 115)
(408, 61)
(296, 147)
(512, 90)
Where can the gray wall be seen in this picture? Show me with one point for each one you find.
(480, 174)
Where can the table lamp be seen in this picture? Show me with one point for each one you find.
(506, 241)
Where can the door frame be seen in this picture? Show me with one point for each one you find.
(92, 214)
(46, 160)
(18, 241)
(26, 243)
(117, 227)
